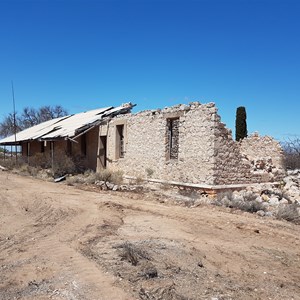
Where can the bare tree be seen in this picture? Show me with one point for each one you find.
(30, 117)
(7, 125)
(292, 153)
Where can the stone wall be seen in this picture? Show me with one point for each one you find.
(183, 143)
(146, 144)
(231, 166)
(264, 154)
(204, 151)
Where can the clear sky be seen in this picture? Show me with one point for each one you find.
(89, 54)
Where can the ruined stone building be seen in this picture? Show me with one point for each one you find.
(181, 144)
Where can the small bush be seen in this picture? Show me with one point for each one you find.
(91, 177)
(139, 180)
(229, 195)
(249, 206)
(224, 199)
(11, 163)
(28, 170)
(247, 202)
(80, 163)
(77, 179)
(250, 197)
(40, 160)
(191, 193)
(289, 213)
(63, 164)
(115, 177)
(132, 253)
(149, 172)
(149, 271)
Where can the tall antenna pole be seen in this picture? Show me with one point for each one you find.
(15, 126)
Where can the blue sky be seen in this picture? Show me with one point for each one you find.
(88, 54)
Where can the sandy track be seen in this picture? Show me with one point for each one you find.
(59, 242)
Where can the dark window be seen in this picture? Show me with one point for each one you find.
(83, 144)
(25, 149)
(42, 147)
(120, 150)
(102, 151)
(69, 147)
(172, 138)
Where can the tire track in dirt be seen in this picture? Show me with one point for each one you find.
(77, 249)
(71, 266)
(223, 248)
(42, 219)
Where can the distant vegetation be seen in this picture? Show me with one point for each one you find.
(291, 150)
(240, 123)
(29, 117)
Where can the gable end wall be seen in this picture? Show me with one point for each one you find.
(146, 144)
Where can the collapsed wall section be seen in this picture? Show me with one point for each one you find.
(265, 156)
(231, 167)
(174, 144)
(254, 159)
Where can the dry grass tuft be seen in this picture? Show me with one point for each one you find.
(132, 253)
(247, 202)
(289, 213)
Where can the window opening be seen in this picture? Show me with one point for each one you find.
(83, 144)
(42, 147)
(173, 138)
(103, 151)
(120, 149)
(69, 147)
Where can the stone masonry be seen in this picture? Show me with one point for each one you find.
(188, 143)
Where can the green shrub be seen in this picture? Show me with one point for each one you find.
(240, 123)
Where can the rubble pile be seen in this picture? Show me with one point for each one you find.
(105, 185)
(266, 199)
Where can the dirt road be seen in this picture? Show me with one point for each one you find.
(59, 242)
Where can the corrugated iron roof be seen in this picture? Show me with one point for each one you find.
(66, 127)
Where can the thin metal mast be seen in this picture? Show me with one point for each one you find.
(15, 126)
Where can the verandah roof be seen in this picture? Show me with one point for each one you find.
(65, 127)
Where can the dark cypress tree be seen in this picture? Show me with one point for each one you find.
(240, 123)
